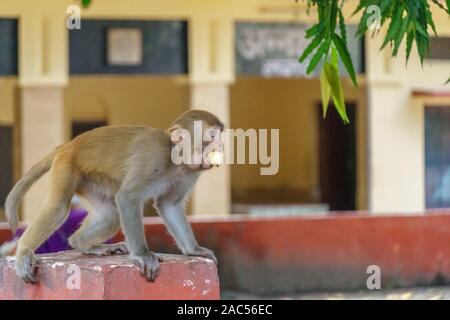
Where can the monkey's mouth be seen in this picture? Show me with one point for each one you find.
(215, 158)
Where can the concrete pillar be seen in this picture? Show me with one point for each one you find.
(42, 129)
(395, 135)
(397, 152)
(43, 73)
(211, 70)
(213, 191)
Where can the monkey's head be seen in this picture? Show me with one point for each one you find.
(198, 134)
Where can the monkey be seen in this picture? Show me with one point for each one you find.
(117, 169)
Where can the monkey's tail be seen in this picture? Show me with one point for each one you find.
(21, 187)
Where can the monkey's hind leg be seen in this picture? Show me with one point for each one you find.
(48, 219)
(97, 228)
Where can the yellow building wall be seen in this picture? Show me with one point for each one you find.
(8, 96)
(125, 100)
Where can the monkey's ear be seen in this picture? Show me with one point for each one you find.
(174, 127)
(174, 137)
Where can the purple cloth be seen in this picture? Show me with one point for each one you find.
(58, 241)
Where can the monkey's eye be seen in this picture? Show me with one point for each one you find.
(212, 133)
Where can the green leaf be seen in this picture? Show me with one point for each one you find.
(420, 29)
(345, 57)
(337, 93)
(314, 43)
(362, 26)
(324, 85)
(431, 22)
(334, 57)
(399, 37)
(447, 82)
(409, 42)
(422, 46)
(342, 27)
(314, 30)
(333, 16)
(394, 26)
(325, 91)
(448, 6)
(323, 49)
(85, 3)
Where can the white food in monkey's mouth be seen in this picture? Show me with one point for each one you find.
(215, 158)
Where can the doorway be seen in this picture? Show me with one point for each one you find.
(337, 159)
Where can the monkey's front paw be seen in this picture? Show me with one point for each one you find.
(148, 265)
(26, 266)
(203, 252)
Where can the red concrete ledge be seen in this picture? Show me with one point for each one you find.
(5, 233)
(292, 254)
(115, 277)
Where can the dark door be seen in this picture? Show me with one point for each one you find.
(337, 159)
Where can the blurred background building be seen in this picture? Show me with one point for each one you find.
(146, 61)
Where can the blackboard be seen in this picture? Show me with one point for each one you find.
(439, 48)
(8, 47)
(164, 47)
(272, 49)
